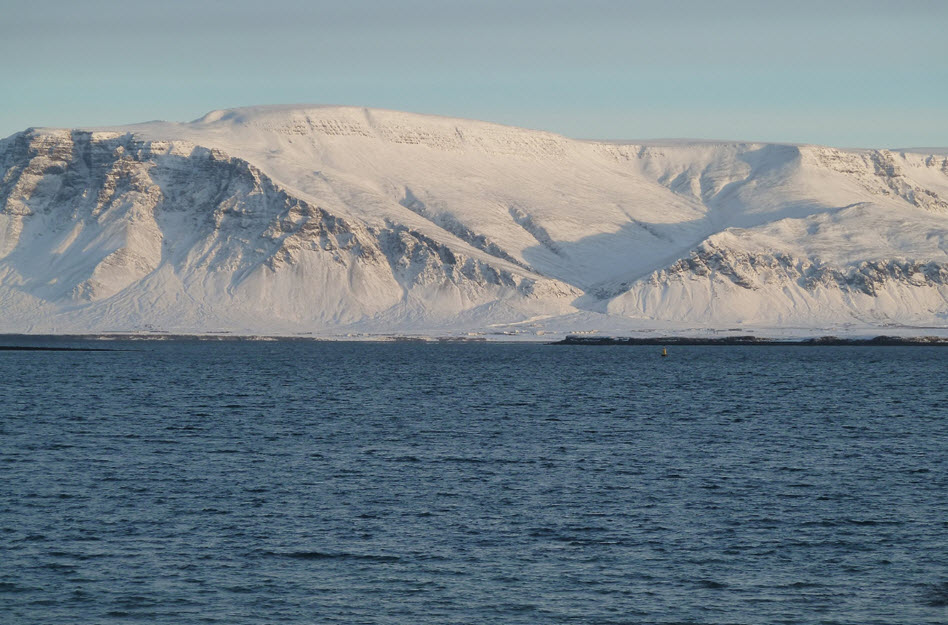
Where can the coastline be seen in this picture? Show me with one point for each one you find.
(53, 342)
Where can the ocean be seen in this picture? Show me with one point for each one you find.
(253, 482)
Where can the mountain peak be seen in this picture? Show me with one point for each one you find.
(248, 114)
(285, 114)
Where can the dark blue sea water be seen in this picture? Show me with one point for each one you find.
(252, 482)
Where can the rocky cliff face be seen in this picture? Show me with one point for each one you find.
(87, 216)
(332, 220)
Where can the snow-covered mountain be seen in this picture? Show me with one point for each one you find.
(331, 220)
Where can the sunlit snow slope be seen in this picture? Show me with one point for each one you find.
(330, 220)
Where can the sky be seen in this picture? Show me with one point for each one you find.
(844, 73)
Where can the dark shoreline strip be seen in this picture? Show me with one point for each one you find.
(823, 341)
(34, 348)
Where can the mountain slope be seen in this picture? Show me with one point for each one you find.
(336, 219)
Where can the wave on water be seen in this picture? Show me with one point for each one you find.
(324, 555)
(936, 595)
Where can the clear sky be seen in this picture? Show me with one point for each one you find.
(847, 73)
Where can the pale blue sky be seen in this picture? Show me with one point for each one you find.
(867, 74)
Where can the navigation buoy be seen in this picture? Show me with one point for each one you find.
(664, 352)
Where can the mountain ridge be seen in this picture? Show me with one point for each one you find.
(334, 220)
